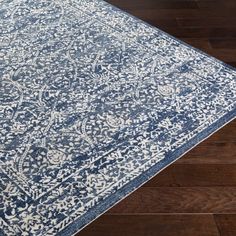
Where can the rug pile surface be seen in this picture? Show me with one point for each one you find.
(93, 103)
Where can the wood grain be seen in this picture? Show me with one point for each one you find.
(153, 4)
(218, 43)
(200, 22)
(202, 175)
(153, 12)
(211, 153)
(152, 225)
(179, 200)
(226, 224)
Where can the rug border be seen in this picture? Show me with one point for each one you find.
(76, 226)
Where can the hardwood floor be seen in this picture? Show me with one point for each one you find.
(196, 196)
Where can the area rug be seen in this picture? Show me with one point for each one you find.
(93, 103)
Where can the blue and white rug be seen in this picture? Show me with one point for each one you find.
(93, 103)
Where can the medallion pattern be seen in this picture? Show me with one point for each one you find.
(90, 99)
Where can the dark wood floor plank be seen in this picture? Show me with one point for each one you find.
(212, 22)
(154, 4)
(212, 43)
(179, 200)
(181, 13)
(158, 225)
(167, 22)
(226, 224)
(221, 43)
(199, 32)
(211, 4)
(202, 175)
(210, 153)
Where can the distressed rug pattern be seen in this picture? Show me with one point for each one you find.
(93, 103)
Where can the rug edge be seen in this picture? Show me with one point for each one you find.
(79, 224)
(171, 36)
